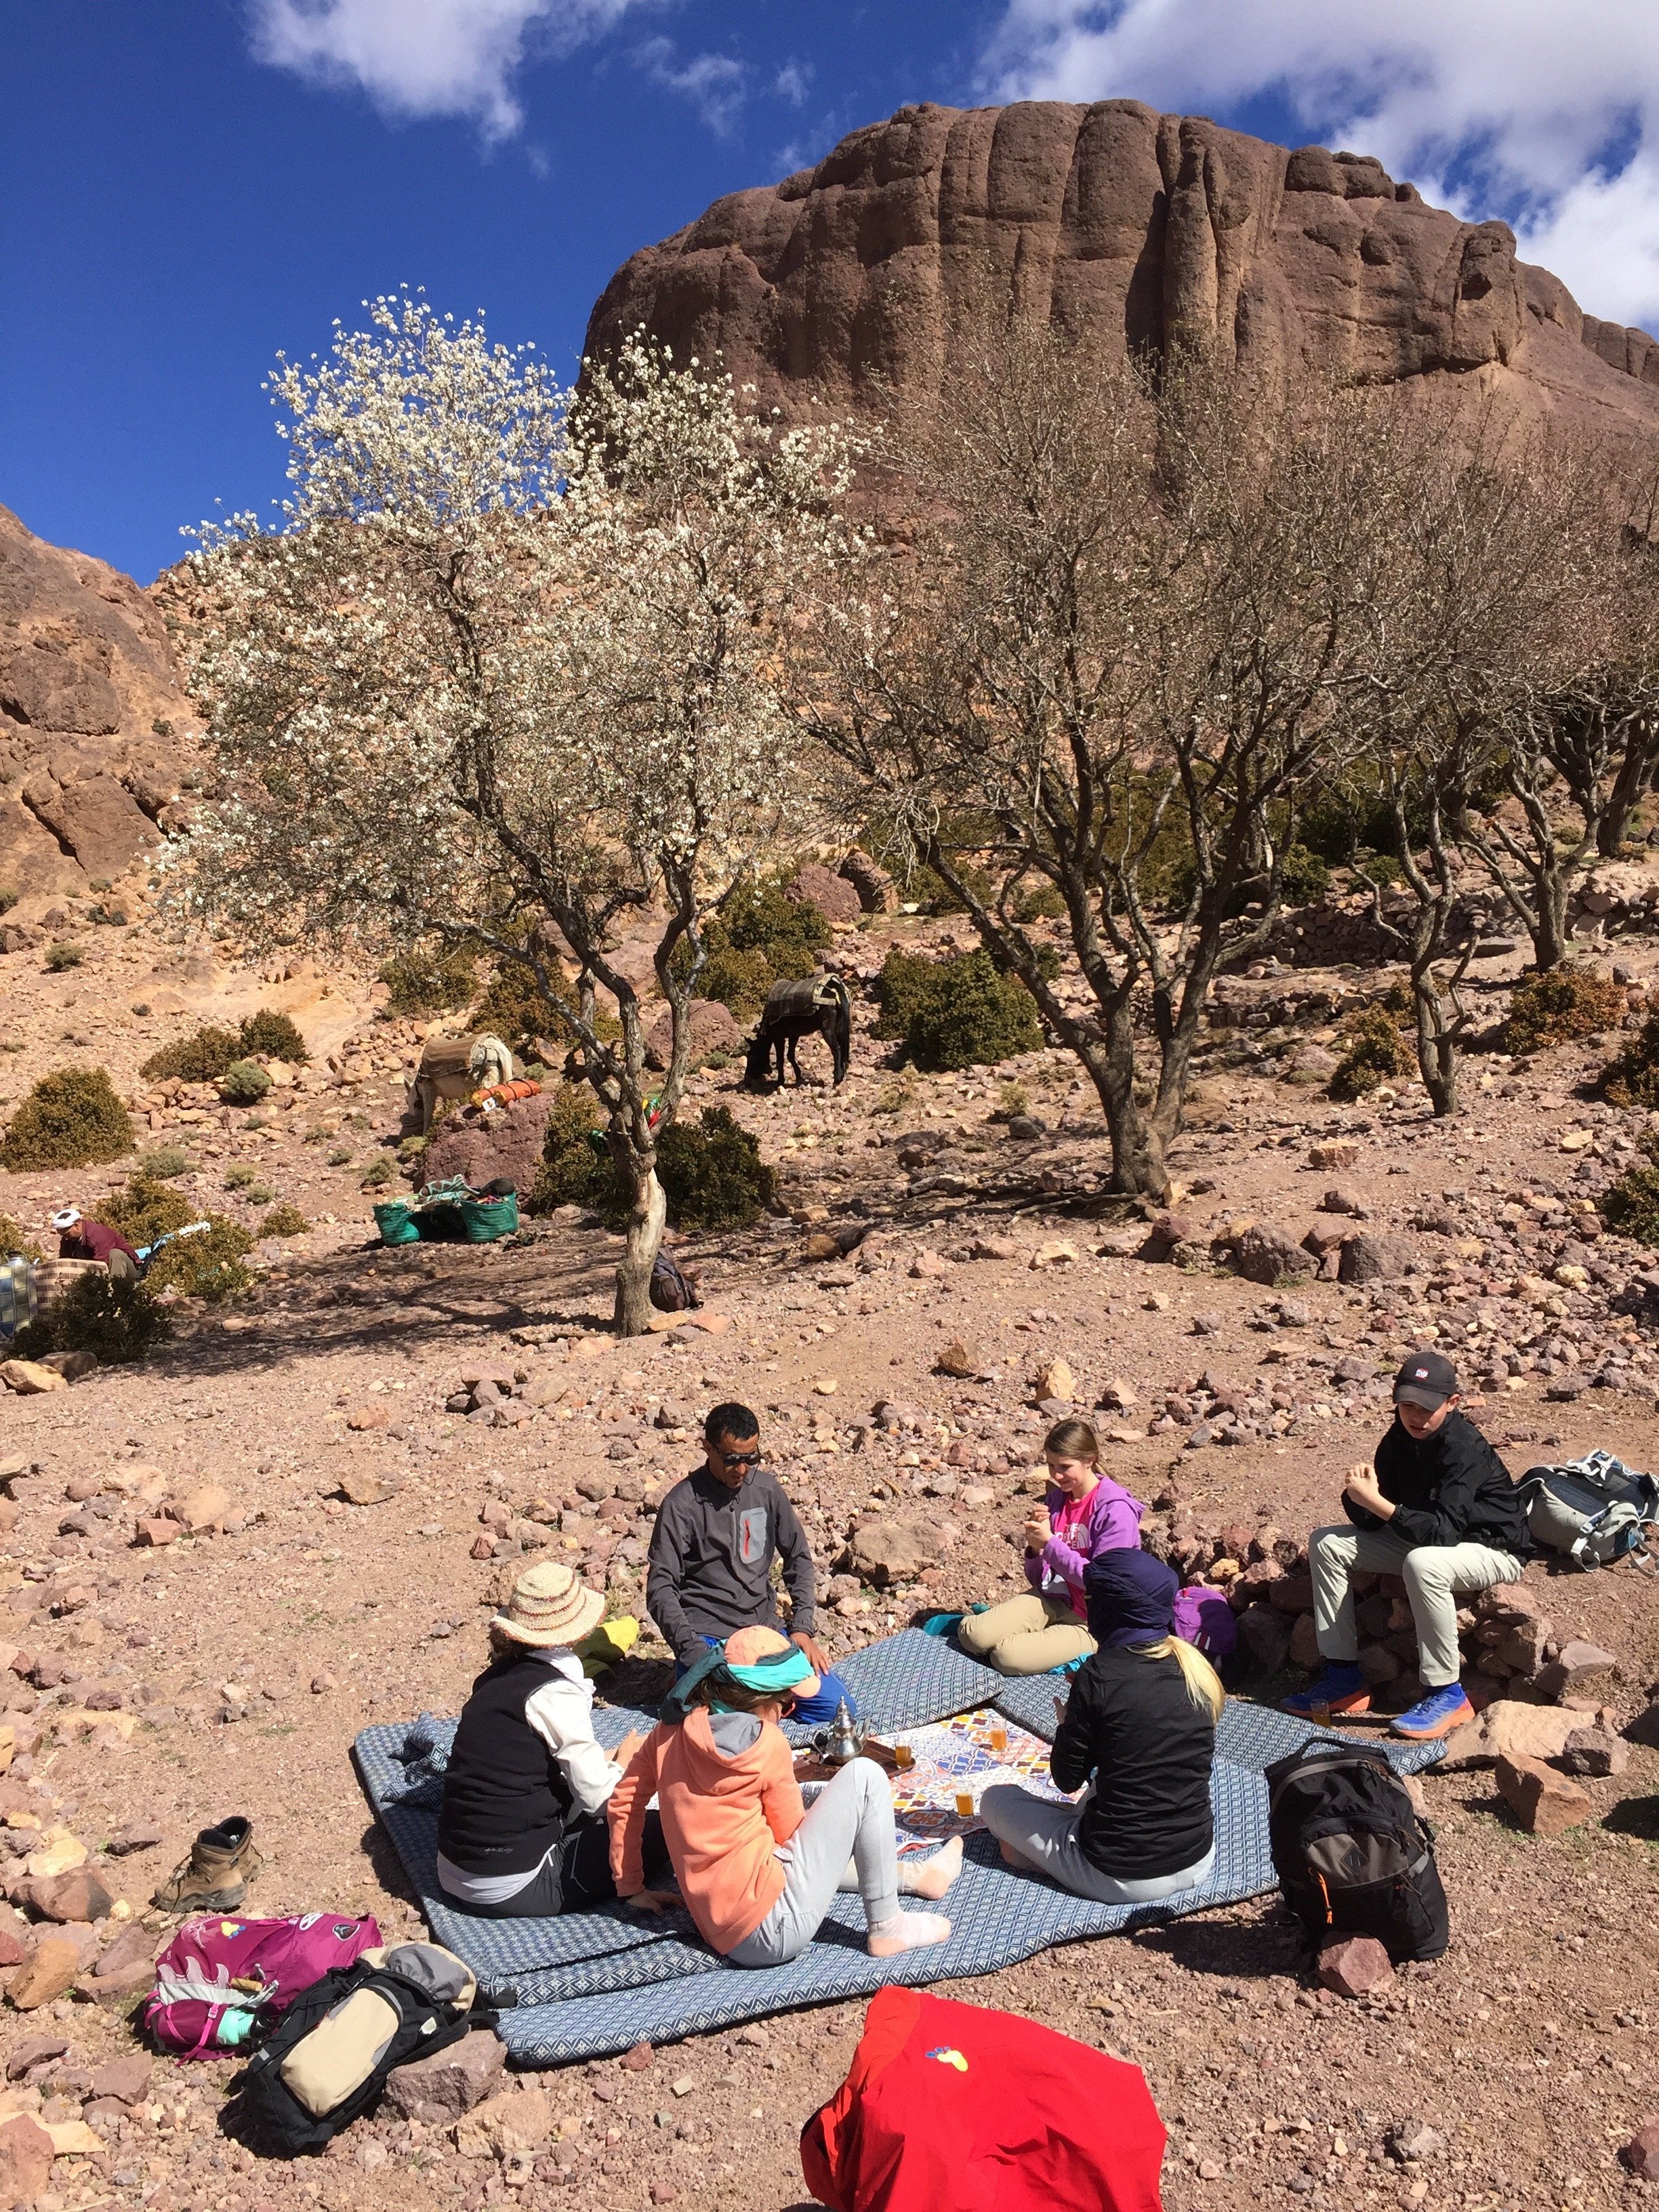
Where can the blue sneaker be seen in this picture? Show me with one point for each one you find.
(1436, 1715)
(1341, 1689)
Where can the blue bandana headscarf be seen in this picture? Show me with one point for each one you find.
(1131, 1596)
(774, 1675)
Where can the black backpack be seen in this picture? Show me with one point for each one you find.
(328, 2059)
(1352, 1855)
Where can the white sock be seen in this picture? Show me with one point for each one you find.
(908, 1931)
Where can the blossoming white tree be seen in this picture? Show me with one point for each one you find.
(510, 669)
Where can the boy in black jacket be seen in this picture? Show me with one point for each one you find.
(1442, 1513)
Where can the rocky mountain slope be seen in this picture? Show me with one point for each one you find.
(94, 731)
(850, 279)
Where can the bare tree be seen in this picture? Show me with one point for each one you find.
(1120, 638)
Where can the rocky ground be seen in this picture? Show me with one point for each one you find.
(152, 1689)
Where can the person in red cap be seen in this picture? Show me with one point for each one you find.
(1441, 1511)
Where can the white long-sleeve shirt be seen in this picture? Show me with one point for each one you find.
(561, 1711)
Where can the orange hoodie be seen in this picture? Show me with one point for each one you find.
(722, 1819)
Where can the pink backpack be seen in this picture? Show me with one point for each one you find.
(219, 1978)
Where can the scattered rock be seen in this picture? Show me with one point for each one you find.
(1578, 1668)
(1355, 1966)
(1509, 1730)
(29, 1378)
(27, 2152)
(1372, 1259)
(713, 1029)
(77, 1896)
(1543, 1801)
(517, 2120)
(1414, 2144)
(1265, 1253)
(440, 2089)
(126, 2079)
(1053, 1379)
(368, 1417)
(959, 1359)
(888, 1552)
(51, 1967)
(1595, 1751)
(1058, 1252)
(638, 2058)
(1641, 2153)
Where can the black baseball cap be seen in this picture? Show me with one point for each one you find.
(1428, 1379)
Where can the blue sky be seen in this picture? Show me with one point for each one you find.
(187, 186)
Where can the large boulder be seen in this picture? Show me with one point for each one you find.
(851, 283)
(836, 898)
(887, 1552)
(1373, 1258)
(1509, 1730)
(713, 1029)
(503, 1145)
(878, 892)
(1265, 1252)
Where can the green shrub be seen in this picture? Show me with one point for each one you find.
(275, 1035)
(165, 1162)
(115, 1321)
(201, 1058)
(1631, 1077)
(238, 1176)
(380, 1172)
(1557, 1005)
(423, 982)
(1014, 1099)
(207, 1265)
(111, 917)
(9, 899)
(575, 1171)
(740, 981)
(71, 1119)
(1041, 903)
(14, 1244)
(1631, 1206)
(146, 1209)
(762, 917)
(339, 1158)
(1302, 876)
(1373, 1050)
(65, 955)
(1382, 868)
(928, 890)
(244, 1083)
(284, 1221)
(259, 1194)
(713, 1174)
(955, 1013)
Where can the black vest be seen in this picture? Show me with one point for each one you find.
(505, 1800)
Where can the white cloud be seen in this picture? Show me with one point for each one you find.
(1545, 113)
(427, 58)
(715, 85)
(791, 81)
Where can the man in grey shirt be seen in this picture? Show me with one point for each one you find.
(716, 1535)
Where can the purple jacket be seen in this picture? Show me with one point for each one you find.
(1112, 1523)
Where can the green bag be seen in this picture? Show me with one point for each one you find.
(392, 1218)
(484, 1219)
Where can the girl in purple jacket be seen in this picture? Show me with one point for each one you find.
(1083, 1514)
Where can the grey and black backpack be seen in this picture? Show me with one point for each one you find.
(1353, 1856)
(1593, 1511)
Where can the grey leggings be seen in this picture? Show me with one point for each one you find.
(853, 1815)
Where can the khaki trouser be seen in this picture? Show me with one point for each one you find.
(1434, 1575)
(1026, 1635)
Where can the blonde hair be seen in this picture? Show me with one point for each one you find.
(1203, 1683)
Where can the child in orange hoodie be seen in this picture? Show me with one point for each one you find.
(757, 1869)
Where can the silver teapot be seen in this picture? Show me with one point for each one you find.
(841, 1740)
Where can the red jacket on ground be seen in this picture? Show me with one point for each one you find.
(953, 2107)
(93, 1240)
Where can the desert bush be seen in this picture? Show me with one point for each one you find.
(1039, 902)
(711, 1173)
(1302, 876)
(71, 1119)
(284, 1221)
(380, 1172)
(165, 1162)
(244, 1083)
(62, 956)
(927, 889)
(1373, 1050)
(275, 1035)
(239, 1176)
(1631, 1205)
(955, 1013)
(575, 1171)
(420, 983)
(1631, 1077)
(116, 1321)
(259, 1194)
(14, 1244)
(759, 937)
(200, 1058)
(1013, 1098)
(206, 1266)
(339, 1158)
(146, 1209)
(1556, 1005)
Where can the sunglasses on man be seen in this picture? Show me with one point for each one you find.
(740, 1459)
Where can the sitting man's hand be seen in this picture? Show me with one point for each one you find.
(816, 1657)
(1361, 1485)
(652, 1900)
(625, 1750)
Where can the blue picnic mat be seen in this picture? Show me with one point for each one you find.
(584, 1984)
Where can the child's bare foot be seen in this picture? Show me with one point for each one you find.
(909, 1931)
(935, 1875)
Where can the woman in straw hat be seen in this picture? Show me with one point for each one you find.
(757, 1869)
(523, 1831)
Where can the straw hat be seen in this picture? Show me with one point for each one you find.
(550, 1606)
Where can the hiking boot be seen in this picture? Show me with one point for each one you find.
(1341, 1689)
(215, 1877)
(1436, 1715)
